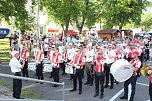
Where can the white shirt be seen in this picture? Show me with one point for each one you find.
(70, 53)
(89, 55)
(15, 65)
(46, 47)
(61, 48)
(35, 51)
(110, 57)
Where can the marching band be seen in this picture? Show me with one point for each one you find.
(95, 59)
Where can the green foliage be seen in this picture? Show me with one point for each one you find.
(146, 21)
(16, 9)
(121, 12)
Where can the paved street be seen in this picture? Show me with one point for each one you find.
(88, 91)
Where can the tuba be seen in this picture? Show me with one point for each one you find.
(144, 70)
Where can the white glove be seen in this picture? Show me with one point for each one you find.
(149, 72)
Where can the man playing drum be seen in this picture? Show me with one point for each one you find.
(78, 62)
(132, 80)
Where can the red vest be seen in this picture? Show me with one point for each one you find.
(55, 59)
(136, 63)
(24, 54)
(78, 59)
(118, 56)
(100, 64)
(39, 56)
(64, 56)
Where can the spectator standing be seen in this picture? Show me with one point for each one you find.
(16, 70)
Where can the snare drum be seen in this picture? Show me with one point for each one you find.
(69, 69)
(47, 68)
(32, 66)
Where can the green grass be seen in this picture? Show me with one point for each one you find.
(24, 93)
(4, 43)
(31, 94)
(4, 84)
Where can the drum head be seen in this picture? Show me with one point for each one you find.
(121, 70)
(123, 73)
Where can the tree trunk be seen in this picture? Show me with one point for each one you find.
(66, 28)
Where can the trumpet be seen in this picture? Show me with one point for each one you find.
(144, 70)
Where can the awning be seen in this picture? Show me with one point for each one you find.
(71, 32)
(53, 30)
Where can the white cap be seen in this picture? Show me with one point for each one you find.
(14, 52)
(70, 44)
(53, 46)
(89, 45)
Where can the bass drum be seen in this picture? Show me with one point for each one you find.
(121, 70)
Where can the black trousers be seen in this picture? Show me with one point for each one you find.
(25, 70)
(56, 74)
(150, 91)
(99, 78)
(45, 53)
(132, 80)
(63, 67)
(39, 71)
(78, 75)
(89, 71)
(107, 71)
(17, 85)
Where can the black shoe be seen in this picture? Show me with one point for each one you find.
(36, 82)
(87, 83)
(123, 97)
(50, 76)
(131, 100)
(106, 86)
(55, 85)
(101, 96)
(72, 90)
(41, 83)
(111, 87)
(117, 83)
(91, 84)
(18, 97)
(80, 92)
(95, 95)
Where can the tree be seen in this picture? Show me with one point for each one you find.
(87, 14)
(17, 10)
(60, 11)
(146, 21)
(121, 12)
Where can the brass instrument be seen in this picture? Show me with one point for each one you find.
(144, 70)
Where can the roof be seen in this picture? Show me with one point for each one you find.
(108, 31)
